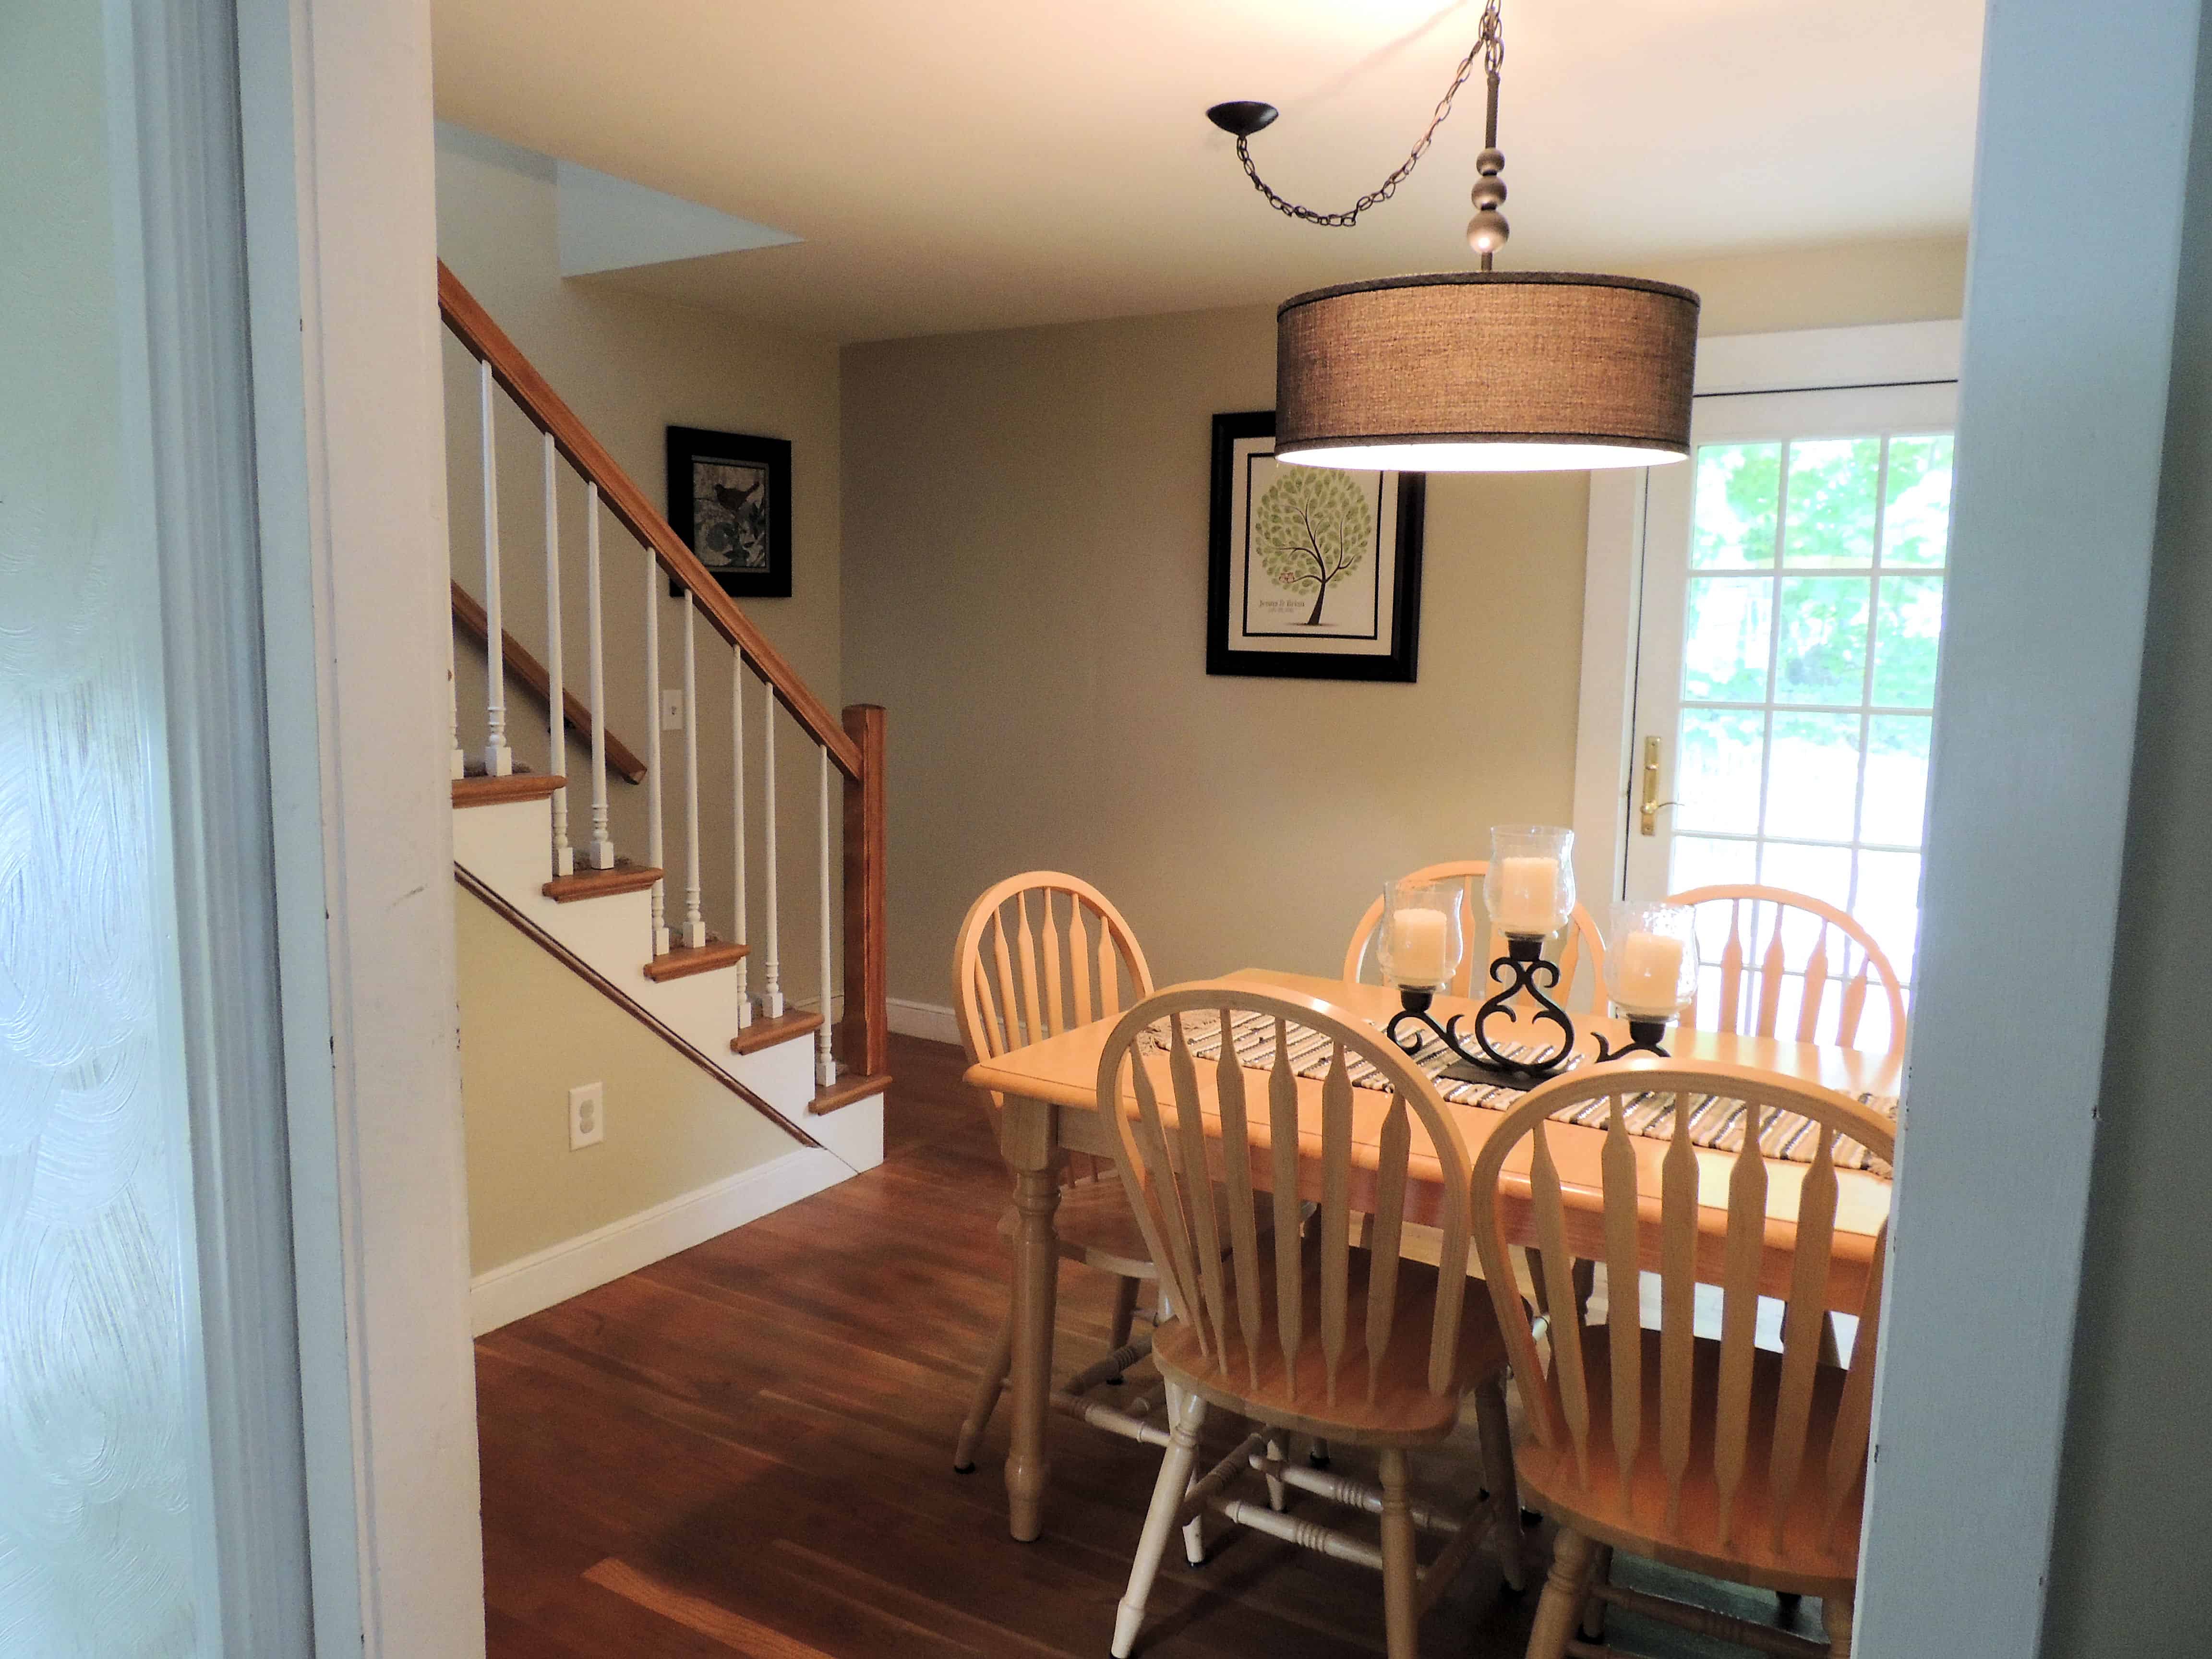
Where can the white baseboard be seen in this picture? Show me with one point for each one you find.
(932, 1020)
(536, 1282)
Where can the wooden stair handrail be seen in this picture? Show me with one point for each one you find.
(470, 614)
(473, 326)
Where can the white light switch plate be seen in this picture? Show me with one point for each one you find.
(587, 1115)
(671, 711)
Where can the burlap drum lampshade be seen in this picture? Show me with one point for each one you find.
(1486, 371)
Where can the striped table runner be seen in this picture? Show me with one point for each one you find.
(1717, 1123)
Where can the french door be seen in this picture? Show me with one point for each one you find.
(1791, 610)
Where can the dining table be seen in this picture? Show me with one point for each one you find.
(1050, 1091)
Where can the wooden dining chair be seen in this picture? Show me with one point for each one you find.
(1580, 944)
(1717, 1456)
(1773, 935)
(1303, 1332)
(1039, 954)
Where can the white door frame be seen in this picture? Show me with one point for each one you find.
(2065, 359)
(1806, 359)
(341, 252)
(2061, 447)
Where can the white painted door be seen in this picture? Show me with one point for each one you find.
(1792, 605)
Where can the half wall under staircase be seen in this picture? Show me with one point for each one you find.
(589, 608)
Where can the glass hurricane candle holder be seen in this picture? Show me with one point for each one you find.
(1419, 942)
(1650, 972)
(1529, 888)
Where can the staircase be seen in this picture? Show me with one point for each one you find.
(539, 846)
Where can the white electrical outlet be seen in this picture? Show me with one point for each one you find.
(671, 711)
(587, 1115)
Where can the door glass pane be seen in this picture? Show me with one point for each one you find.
(1910, 617)
(1726, 638)
(1709, 861)
(1896, 804)
(1917, 510)
(1736, 492)
(1830, 503)
(1717, 778)
(1888, 904)
(1812, 777)
(1823, 872)
(1822, 654)
(1803, 785)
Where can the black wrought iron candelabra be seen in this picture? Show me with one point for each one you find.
(1643, 1037)
(1522, 972)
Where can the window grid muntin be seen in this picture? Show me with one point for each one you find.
(1866, 709)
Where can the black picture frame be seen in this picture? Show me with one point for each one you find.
(1400, 662)
(766, 573)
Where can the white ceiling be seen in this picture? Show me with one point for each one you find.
(991, 163)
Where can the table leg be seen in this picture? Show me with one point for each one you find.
(1037, 1274)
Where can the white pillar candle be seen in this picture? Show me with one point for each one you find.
(1529, 899)
(1650, 975)
(1417, 947)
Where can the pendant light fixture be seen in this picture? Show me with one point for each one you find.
(1474, 371)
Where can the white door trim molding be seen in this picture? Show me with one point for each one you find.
(341, 247)
(2061, 445)
(1801, 359)
(174, 103)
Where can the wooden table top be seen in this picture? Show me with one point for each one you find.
(1062, 1071)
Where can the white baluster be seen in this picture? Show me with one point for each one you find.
(653, 828)
(738, 820)
(564, 856)
(771, 978)
(499, 759)
(601, 855)
(825, 1062)
(452, 686)
(695, 928)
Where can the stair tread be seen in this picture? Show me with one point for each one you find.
(848, 1088)
(479, 790)
(624, 878)
(765, 1033)
(681, 960)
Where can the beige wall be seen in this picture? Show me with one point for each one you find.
(531, 1031)
(1024, 547)
(631, 366)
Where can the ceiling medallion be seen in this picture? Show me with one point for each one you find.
(1474, 371)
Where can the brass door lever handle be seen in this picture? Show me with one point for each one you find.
(1648, 813)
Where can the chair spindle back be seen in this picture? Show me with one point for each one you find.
(1559, 1397)
(1039, 954)
(1755, 966)
(1200, 1145)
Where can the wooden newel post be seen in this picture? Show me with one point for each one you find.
(863, 1036)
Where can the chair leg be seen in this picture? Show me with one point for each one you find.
(1573, 1556)
(1837, 1611)
(988, 1389)
(1593, 1622)
(1401, 1615)
(1277, 1494)
(1189, 1412)
(1125, 1315)
(1495, 1432)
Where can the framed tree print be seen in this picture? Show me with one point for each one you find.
(729, 498)
(1313, 573)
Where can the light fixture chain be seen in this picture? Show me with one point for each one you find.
(1489, 47)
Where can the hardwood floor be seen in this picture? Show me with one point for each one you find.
(747, 1449)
